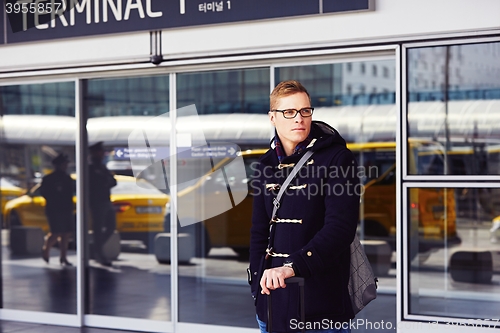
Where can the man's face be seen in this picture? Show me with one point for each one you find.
(295, 130)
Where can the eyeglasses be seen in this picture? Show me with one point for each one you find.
(292, 113)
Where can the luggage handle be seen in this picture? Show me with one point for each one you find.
(294, 279)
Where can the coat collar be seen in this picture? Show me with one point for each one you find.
(322, 136)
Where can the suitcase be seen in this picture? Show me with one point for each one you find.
(295, 279)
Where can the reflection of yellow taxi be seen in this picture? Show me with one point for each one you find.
(8, 192)
(232, 227)
(432, 210)
(140, 208)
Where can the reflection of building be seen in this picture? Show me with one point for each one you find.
(54, 99)
(469, 68)
(361, 70)
(368, 78)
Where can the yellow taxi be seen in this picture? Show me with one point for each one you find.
(139, 206)
(8, 192)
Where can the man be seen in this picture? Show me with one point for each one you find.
(103, 214)
(58, 189)
(314, 225)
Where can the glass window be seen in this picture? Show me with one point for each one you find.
(224, 116)
(368, 123)
(453, 231)
(128, 274)
(336, 85)
(454, 121)
(143, 96)
(386, 71)
(38, 225)
(223, 92)
(453, 250)
(42, 99)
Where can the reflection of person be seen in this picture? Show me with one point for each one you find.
(103, 214)
(315, 223)
(494, 227)
(58, 189)
(486, 198)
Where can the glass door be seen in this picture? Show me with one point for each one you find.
(215, 205)
(128, 203)
(38, 199)
(222, 121)
(358, 99)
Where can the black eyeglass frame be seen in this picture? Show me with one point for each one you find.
(296, 112)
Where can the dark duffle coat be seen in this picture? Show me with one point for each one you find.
(316, 225)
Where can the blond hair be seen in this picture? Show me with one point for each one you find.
(286, 88)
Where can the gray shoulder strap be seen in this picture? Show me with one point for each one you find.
(295, 170)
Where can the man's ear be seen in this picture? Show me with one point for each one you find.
(271, 117)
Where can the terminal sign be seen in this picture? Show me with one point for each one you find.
(32, 20)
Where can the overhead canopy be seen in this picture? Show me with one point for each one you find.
(466, 119)
(61, 130)
(38, 129)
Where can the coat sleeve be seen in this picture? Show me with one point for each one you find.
(260, 230)
(340, 219)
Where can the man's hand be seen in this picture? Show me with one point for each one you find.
(274, 278)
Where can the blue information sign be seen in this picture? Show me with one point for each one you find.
(32, 20)
(212, 151)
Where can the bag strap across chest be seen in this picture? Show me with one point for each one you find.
(291, 175)
(276, 203)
